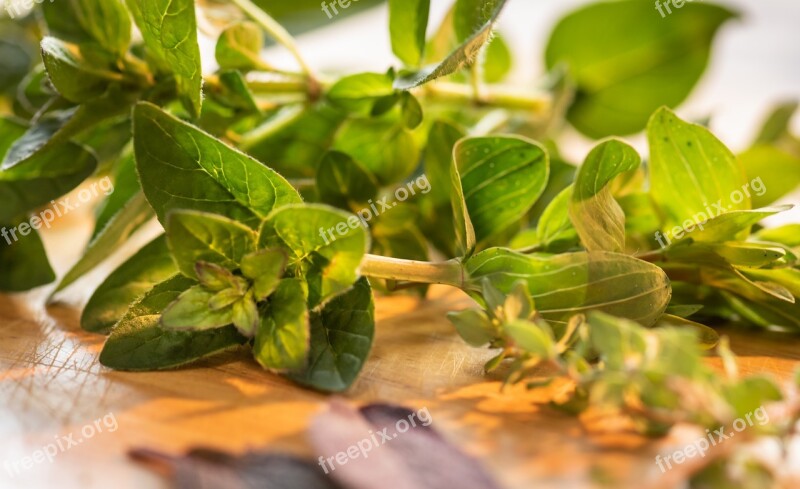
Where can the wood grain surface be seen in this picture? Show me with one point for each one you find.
(51, 387)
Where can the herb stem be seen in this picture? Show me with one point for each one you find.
(277, 32)
(450, 272)
(283, 118)
(505, 98)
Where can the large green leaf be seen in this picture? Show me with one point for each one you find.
(47, 175)
(75, 78)
(282, 339)
(627, 61)
(198, 236)
(572, 283)
(327, 246)
(181, 167)
(104, 22)
(169, 29)
(23, 261)
(408, 21)
(138, 342)
(598, 218)
(466, 53)
(501, 177)
(149, 266)
(692, 173)
(774, 173)
(341, 338)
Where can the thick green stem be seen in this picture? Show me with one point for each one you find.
(450, 272)
(276, 31)
(539, 103)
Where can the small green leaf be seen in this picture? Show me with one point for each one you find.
(465, 53)
(501, 177)
(282, 339)
(776, 127)
(691, 171)
(531, 338)
(725, 227)
(198, 236)
(412, 111)
(245, 315)
(239, 47)
(326, 245)
(75, 78)
(473, 326)
(597, 217)
(555, 225)
(358, 93)
(498, 61)
(265, 268)
(341, 338)
(342, 181)
(191, 312)
(774, 173)
(225, 298)
(139, 343)
(148, 267)
(169, 29)
(181, 167)
(408, 21)
(442, 137)
(214, 277)
(627, 60)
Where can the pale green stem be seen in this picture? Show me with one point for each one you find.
(450, 272)
(540, 103)
(286, 116)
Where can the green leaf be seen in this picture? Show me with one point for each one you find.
(265, 269)
(748, 254)
(23, 261)
(408, 21)
(44, 176)
(788, 235)
(245, 315)
(465, 53)
(384, 147)
(105, 22)
(707, 337)
(198, 236)
(555, 225)
(597, 217)
(442, 137)
(774, 172)
(225, 298)
(776, 127)
(498, 61)
(138, 342)
(729, 226)
(464, 229)
(181, 167)
(191, 312)
(217, 278)
(135, 213)
(169, 29)
(470, 15)
(342, 181)
(530, 338)
(691, 170)
(239, 47)
(572, 283)
(412, 110)
(282, 339)
(148, 267)
(627, 61)
(125, 187)
(473, 326)
(502, 177)
(74, 77)
(341, 338)
(358, 93)
(326, 245)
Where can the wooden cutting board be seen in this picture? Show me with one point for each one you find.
(52, 387)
